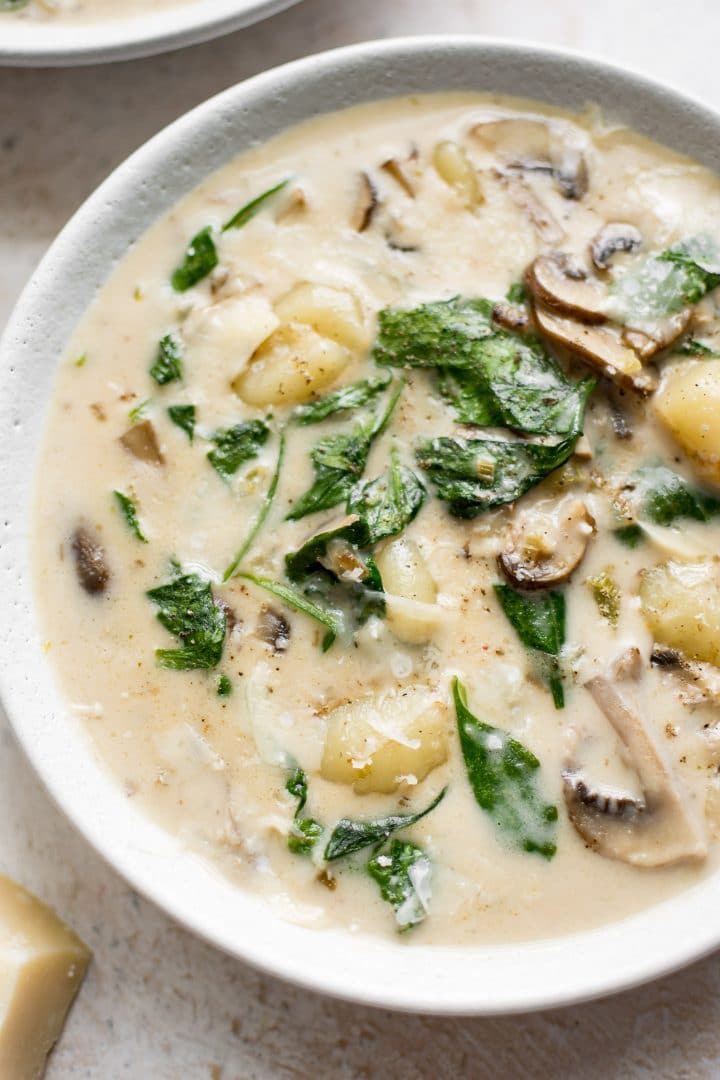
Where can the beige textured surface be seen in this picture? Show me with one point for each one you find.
(158, 1004)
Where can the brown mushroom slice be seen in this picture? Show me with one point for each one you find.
(142, 442)
(534, 146)
(547, 544)
(366, 205)
(510, 317)
(663, 335)
(612, 238)
(561, 283)
(599, 346)
(660, 828)
(273, 628)
(90, 561)
(401, 174)
(548, 229)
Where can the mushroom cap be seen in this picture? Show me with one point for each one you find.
(614, 237)
(559, 282)
(547, 544)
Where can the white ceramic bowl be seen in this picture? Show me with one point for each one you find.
(392, 973)
(54, 43)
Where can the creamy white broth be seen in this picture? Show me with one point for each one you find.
(213, 769)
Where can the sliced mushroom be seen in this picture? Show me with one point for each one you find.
(547, 544)
(533, 146)
(561, 283)
(600, 346)
(699, 681)
(657, 829)
(401, 172)
(537, 213)
(663, 335)
(142, 442)
(510, 316)
(614, 237)
(273, 628)
(90, 561)
(366, 205)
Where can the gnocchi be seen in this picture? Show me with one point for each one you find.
(681, 605)
(688, 403)
(410, 591)
(291, 366)
(379, 743)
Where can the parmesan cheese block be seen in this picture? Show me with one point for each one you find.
(43, 963)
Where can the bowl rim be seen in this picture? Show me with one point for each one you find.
(441, 980)
(109, 39)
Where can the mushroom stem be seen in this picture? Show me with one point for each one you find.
(657, 830)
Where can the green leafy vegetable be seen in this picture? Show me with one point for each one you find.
(692, 347)
(629, 535)
(659, 285)
(606, 594)
(168, 363)
(250, 209)
(305, 832)
(12, 5)
(303, 562)
(138, 411)
(490, 375)
(129, 512)
(539, 621)
(517, 293)
(503, 777)
(331, 620)
(350, 836)
(189, 612)
(236, 445)
(261, 516)
(201, 258)
(474, 475)
(403, 873)
(347, 397)
(339, 461)
(224, 686)
(664, 496)
(389, 503)
(184, 417)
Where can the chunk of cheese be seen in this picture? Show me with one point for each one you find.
(42, 963)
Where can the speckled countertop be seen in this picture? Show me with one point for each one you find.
(157, 1004)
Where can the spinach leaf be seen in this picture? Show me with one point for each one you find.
(474, 475)
(331, 620)
(188, 611)
(403, 873)
(184, 417)
(490, 375)
(389, 503)
(305, 832)
(12, 5)
(347, 397)
(262, 514)
(517, 293)
(236, 445)
(661, 284)
(629, 535)
(692, 347)
(129, 512)
(303, 562)
(200, 259)
(340, 460)
(250, 209)
(539, 621)
(224, 686)
(502, 774)
(168, 363)
(350, 836)
(664, 496)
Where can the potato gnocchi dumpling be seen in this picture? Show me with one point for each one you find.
(681, 605)
(688, 403)
(381, 742)
(291, 366)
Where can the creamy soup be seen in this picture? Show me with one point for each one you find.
(377, 523)
(80, 10)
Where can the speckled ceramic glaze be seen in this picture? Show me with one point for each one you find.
(58, 43)
(391, 973)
